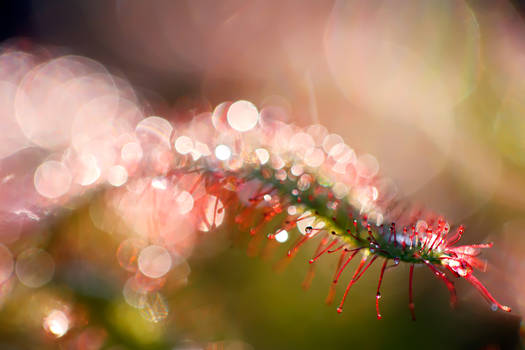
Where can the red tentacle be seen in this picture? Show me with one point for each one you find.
(378, 294)
(352, 281)
(485, 293)
(448, 283)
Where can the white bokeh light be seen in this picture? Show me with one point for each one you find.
(154, 261)
(87, 170)
(52, 179)
(56, 323)
(242, 116)
(183, 144)
(156, 127)
(185, 202)
(117, 175)
(159, 182)
(34, 267)
(131, 152)
(223, 152)
(263, 155)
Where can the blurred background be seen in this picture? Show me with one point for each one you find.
(434, 89)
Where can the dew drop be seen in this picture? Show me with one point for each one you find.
(282, 236)
(304, 222)
(494, 307)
